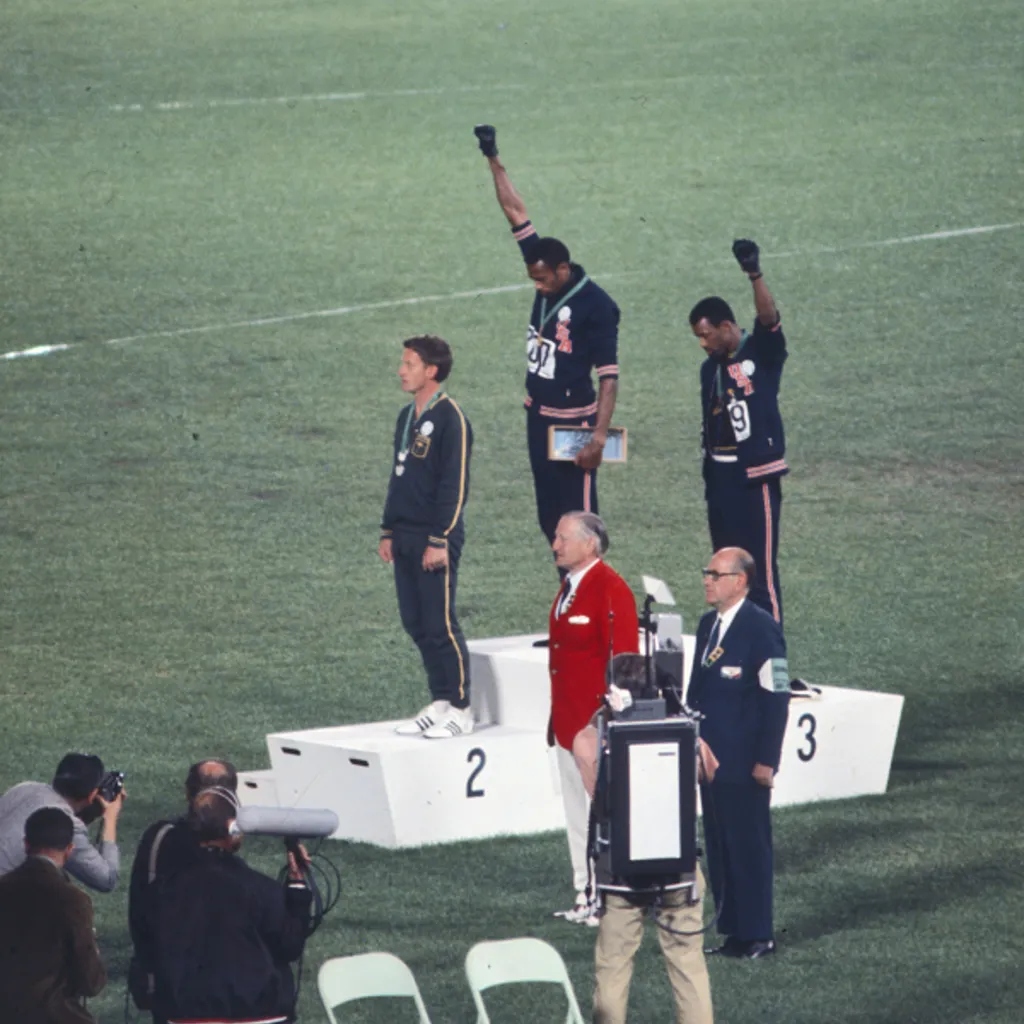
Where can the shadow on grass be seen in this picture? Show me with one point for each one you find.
(848, 903)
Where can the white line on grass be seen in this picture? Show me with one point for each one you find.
(932, 236)
(318, 97)
(365, 307)
(357, 95)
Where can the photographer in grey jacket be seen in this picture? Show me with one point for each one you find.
(75, 790)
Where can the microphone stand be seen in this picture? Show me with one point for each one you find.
(650, 627)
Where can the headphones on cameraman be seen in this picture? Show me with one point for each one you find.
(205, 821)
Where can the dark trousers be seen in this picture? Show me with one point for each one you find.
(426, 603)
(738, 840)
(745, 515)
(560, 487)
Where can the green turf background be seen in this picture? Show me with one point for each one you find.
(187, 520)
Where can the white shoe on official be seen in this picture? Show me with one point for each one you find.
(425, 719)
(454, 722)
(584, 911)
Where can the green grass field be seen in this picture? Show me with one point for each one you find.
(265, 198)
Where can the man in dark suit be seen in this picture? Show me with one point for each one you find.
(49, 961)
(592, 618)
(740, 683)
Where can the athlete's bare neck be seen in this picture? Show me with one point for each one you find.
(424, 395)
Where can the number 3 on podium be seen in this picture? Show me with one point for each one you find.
(806, 721)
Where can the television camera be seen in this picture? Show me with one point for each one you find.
(643, 835)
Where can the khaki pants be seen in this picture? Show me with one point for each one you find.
(618, 939)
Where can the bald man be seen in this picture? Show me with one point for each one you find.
(165, 847)
(740, 683)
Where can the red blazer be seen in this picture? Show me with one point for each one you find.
(579, 646)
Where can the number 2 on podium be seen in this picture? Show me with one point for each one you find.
(477, 755)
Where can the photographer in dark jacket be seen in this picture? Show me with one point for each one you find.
(225, 934)
(166, 847)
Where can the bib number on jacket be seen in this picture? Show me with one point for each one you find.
(540, 355)
(739, 417)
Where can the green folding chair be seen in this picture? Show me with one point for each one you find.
(511, 961)
(367, 976)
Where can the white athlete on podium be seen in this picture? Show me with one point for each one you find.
(422, 531)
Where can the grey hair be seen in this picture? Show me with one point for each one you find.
(591, 525)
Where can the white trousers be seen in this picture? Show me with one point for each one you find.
(577, 814)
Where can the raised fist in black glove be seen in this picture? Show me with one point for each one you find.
(747, 255)
(487, 137)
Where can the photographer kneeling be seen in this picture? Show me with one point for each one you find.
(674, 903)
(226, 934)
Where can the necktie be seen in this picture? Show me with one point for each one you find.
(563, 596)
(716, 632)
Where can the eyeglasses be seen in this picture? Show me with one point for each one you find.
(711, 574)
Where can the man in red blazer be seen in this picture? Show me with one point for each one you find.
(593, 617)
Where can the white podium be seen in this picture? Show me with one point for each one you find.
(401, 791)
(838, 745)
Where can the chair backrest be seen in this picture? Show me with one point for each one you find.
(345, 978)
(517, 960)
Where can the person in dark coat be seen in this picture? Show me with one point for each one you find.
(740, 684)
(226, 934)
(49, 961)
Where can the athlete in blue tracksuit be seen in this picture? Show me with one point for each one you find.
(740, 683)
(742, 440)
(574, 328)
(422, 531)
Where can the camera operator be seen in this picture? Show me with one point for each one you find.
(166, 846)
(50, 962)
(76, 791)
(621, 924)
(226, 934)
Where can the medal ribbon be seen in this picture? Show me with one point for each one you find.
(412, 417)
(545, 316)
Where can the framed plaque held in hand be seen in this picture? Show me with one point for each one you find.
(565, 442)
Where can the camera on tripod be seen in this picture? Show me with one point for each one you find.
(644, 812)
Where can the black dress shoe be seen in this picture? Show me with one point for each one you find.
(731, 947)
(758, 948)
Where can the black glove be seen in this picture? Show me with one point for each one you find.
(747, 255)
(487, 136)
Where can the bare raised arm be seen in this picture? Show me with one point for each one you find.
(510, 201)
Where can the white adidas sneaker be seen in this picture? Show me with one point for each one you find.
(584, 911)
(430, 715)
(454, 722)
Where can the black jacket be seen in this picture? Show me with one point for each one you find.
(742, 689)
(429, 481)
(740, 399)
(225, 935)
(178, 848)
